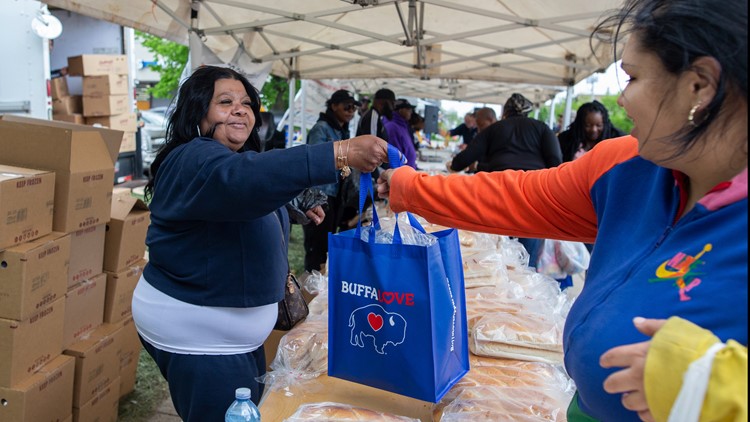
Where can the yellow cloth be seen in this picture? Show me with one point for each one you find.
(673, 348)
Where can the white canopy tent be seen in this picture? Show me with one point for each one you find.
(478, 50)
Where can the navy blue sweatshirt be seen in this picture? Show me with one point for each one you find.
(218, 233)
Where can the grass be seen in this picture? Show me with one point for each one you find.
(151, 388)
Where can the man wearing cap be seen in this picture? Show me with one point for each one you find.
(372, 121)
(332, 125)
(399, 131)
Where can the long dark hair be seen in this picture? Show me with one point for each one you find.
(577, 129)
(681, 31)
(193, 100)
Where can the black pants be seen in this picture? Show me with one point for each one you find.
(202, 386)
(316, 237)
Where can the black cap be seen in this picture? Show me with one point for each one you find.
(342, 96)
(403, 103)
(364, 98)
(385, 94)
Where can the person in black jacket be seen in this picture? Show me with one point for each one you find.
(208, 297)
(591, 126)
(516, 142)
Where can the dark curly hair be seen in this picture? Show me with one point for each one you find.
(681, 31)
(193, 100)
(573, 138)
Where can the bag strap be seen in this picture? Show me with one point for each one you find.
(395, 159)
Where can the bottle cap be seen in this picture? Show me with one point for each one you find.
(242, 393)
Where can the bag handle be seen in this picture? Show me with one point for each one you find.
(395, 159)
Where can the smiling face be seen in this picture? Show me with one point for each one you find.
(229, 114)
(593, 126)
(656, 100)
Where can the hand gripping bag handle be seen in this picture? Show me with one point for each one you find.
(395, 159)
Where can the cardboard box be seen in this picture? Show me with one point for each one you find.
(76, 118)
(46, 396)
(59, 87)
(120, 287)
(33, 275)
(128, 142)
(26, 204)
(97, 364)
(125, 241)
(126, 122)
(86, 254)
(26, 346)
(279, 405)
(111, 84)
(102, 408)
(82, 157)
(84, 309)
(106, 105)
(97, 64)
(69, 104)
(129, 352)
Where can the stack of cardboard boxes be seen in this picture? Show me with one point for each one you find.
(67, 338)
(65, 107)
(105, 99)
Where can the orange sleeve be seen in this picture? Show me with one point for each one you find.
(550, 203)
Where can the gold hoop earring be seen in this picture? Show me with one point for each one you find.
(691, 115)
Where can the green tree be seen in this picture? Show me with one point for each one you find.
(617, 114)
(275, 93)
(170, 58)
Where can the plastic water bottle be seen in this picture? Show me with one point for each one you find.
(242, 409)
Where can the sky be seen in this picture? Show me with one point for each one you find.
(610, 82)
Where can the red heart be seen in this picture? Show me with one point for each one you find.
(376, 321)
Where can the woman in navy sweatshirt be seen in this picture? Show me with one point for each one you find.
(218, 238)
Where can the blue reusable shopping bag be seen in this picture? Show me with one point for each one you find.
(396, 312)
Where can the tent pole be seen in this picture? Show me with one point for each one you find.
(568, 105)
(290, 120)
(302, 115)
(551, 117)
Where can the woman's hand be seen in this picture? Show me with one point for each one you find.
(384, 183)
(364, 153)
(316, 214)
(632, 358)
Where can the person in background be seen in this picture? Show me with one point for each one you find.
(208, 297)
(667, 207)
(364, 105)
(332, 125)
(466, 130)
(416, 126)
(485, 117)
(372, 121)
(591, 126)
(517, 142)
(399, 131)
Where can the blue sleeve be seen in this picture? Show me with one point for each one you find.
(205, 181)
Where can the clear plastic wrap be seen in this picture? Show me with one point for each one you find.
(409, 235)
(319, 304)
(514, 254)
(516, 404)
(302, 354)
(341, 412)
(508, 373)
(559, 258)
(483, 268)
(518, 329)
(315, 283)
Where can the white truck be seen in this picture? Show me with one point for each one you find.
(25, 72)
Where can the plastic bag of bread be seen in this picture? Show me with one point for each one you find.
(302, 354)
(516, 404)
(315, 283)
(340, 412)
(319, 304)
(507, 373)
(519, 329)
(514, 253)
(483, 268)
